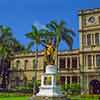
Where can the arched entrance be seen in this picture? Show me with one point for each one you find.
(94, 87)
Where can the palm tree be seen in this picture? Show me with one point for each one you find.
(7, 48)
(61, 33)
(34, 36)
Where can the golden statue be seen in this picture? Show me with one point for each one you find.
(49, 53)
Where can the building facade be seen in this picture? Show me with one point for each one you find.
(81, 66)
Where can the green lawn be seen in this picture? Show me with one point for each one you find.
(27, 98)
(15, 98)
(83, 98)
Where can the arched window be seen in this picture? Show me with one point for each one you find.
(17, 64)
(25, 64)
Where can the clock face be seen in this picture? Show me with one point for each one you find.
(91, 19)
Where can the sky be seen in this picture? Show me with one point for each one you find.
(21, 14)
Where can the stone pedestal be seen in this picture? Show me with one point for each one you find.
(48, 83)
(49, 90)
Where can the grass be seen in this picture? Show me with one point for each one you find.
(84, 97)
(27, 97)
(15, 98)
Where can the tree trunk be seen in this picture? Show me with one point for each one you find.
(35, 69)
(57, 44)
(56, 56)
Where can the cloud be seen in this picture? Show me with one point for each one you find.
(38, 25)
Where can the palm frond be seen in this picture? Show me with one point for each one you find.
(34, 29)
(69, 31)
(52, 25)
(30, 45)
(68, 39)
(30, 35)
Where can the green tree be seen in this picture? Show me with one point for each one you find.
(35, 38)
(61, 33)
(7, 48)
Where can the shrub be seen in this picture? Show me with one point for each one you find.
(71, 88)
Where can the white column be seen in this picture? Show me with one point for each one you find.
(78, 63)
(65, 80)
(42, 80)
(95, 61)
(86, 39)
(92, 39)
(86, 65)
(70, 80)
(52, 79)
(92, 62)
(66, 61)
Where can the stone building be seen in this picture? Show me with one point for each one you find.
(81, 66)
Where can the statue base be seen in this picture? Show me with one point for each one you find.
(48, 83)
(48, 98)
(49, 90)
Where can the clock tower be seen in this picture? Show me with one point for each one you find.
(89, 28)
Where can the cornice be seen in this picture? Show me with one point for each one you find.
(85, 30)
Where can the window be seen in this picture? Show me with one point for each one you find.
(62, 79)
(98, 60)
(68, 79)
(84, 40)
(97, 39)
(62, 63)
(89, 39)
(17, 80)
(74, 79)
(17, 64)
(74, 62)
(68, 63)
(89, 61)
(25, 64)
